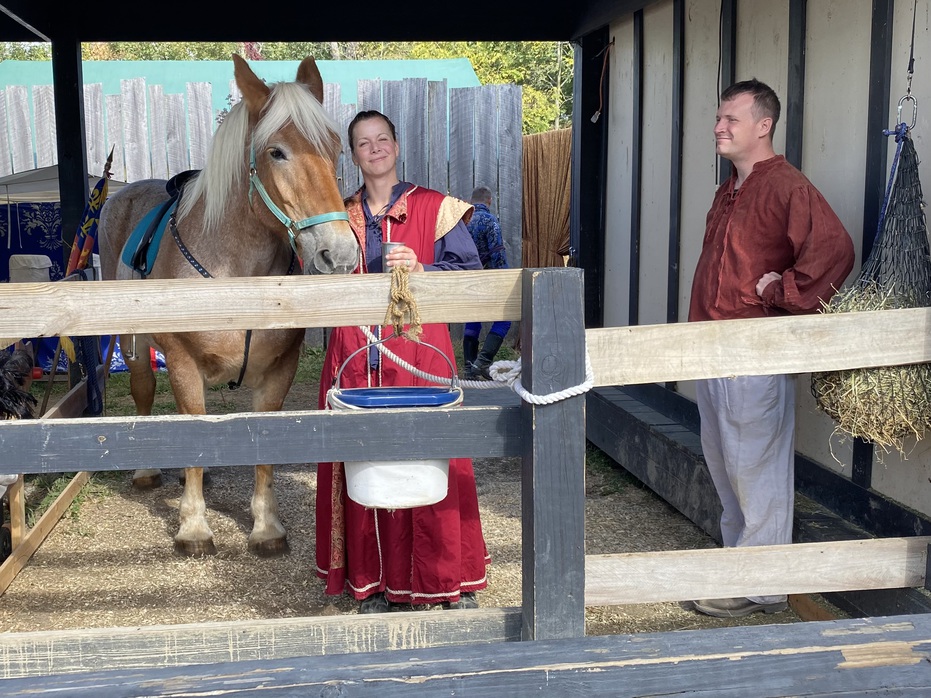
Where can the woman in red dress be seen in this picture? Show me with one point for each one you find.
(424, 555)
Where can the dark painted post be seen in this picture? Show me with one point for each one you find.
(67, 72)
(553, 471)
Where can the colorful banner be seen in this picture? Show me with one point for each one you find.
(85, 236)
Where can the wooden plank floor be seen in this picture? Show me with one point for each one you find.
(862, 657)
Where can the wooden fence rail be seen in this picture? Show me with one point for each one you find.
(619, 355)
(864, 657)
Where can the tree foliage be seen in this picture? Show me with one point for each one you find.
(17, 51)
(160, 51)
(543, 69)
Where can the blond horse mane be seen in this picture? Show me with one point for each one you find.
(226, 169)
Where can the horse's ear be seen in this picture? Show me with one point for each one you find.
(254, 91)
(309, 74)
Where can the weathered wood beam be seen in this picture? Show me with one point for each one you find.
(553, 457)
(97, 649)
(620, 579)
(619, 356)
(801, 568)
(183, 305)
(799, 344)
(861, 657)
(252, 438)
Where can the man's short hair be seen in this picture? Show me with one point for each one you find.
(481, 195)
(765, 101)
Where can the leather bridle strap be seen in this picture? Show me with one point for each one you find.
(290, 225)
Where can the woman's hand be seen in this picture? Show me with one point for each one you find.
(403, 257)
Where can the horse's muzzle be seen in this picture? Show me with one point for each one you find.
(339, 258)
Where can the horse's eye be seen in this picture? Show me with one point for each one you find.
(276, 154)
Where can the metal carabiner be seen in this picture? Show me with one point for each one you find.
(908, 98)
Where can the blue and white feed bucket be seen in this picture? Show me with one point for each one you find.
(399, 484)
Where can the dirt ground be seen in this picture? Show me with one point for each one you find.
(110, 563)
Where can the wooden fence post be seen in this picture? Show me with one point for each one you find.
(553, 476)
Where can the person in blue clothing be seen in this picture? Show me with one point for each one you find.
(486, 231)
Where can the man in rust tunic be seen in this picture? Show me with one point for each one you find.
(772, 247)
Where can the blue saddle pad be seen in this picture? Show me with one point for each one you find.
(141, 248)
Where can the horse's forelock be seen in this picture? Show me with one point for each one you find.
(294, 102)
(288, 102)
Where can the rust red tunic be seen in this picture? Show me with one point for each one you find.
(776, 221)
(426, 554)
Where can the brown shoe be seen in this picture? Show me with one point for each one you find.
(735, 608)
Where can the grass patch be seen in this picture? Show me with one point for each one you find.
(42, 490)
(310, 365)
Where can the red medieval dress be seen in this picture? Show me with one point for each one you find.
(423, 555)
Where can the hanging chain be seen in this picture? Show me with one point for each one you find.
(911, 71)
(911, 55)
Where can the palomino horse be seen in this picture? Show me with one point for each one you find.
(266, 204)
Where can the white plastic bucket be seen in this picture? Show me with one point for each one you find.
(396, 484)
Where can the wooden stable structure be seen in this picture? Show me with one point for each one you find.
(540, 646)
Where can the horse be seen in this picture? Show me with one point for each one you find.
(266, 203)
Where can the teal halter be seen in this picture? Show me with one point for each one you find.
(255, 184)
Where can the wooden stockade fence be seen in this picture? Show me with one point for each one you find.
(293, 656)
(451, 138)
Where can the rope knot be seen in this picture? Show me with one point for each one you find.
(504, 372)
(402, 302)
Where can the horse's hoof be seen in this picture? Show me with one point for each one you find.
(195, 548)
(275, 547)
(147, 482)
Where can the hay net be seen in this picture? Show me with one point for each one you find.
(886, 404)
(899, 264)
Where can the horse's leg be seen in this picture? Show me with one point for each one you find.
(268, 537)
(142, 389)
(194, 537)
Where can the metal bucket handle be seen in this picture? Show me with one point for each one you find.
(454, 378)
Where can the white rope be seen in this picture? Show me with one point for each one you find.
(508, 373)
(504, 374)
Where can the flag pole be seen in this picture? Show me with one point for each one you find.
(81, 250)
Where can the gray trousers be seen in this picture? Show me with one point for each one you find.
(748, 441)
